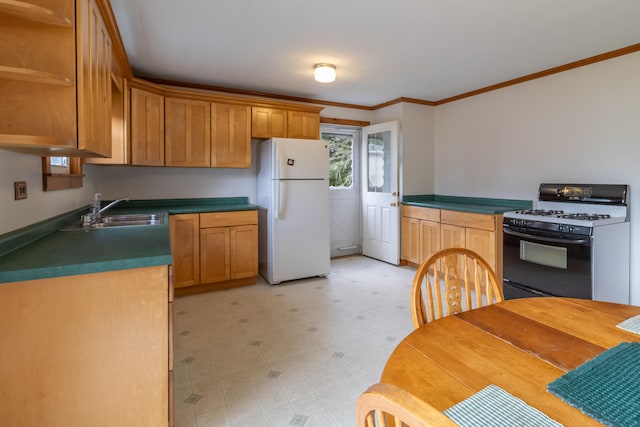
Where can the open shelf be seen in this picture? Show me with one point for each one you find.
(33, 76)
(34, 12)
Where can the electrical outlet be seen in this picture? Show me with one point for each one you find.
(20, 190)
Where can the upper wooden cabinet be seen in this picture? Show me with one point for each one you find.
(187, 132)
(38, 64)
(302, 124)
(280, 122)
(176, 127)
(147, 128)
(230, 136)
(38, 76)
(268, 122)
(94, 80)
(119, 123)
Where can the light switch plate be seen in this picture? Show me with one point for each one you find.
(20, 190)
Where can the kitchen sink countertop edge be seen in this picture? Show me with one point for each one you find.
(42, 251)
(466, 204)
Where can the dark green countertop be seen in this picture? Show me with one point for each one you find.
(42, 251)
(466, 204)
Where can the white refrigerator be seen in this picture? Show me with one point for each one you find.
(293, 219)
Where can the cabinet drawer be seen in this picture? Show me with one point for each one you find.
(427, 214)
(228, 219)
(465, 219)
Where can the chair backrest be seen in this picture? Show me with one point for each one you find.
(452, 281)
(386, 405)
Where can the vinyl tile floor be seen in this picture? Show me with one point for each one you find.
(294, 354)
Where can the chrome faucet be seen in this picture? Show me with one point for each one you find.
(96, 211)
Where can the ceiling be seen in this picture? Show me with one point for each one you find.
(424, 49)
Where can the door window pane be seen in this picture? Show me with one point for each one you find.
(379, 162)
(340, 159)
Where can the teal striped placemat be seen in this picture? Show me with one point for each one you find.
(493, 406)
(631, 325)
(606, 387)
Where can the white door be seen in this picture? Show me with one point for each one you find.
(345, 194)
(380, 206)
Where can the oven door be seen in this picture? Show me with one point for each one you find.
(552, 266)
(512, 291)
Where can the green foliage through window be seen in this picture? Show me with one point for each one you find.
(340, 159)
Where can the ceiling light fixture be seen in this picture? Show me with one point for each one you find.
(324, 73)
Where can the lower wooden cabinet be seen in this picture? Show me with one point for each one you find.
(185, 248)
(214, 250)
(426, 231)
(215, 255)
(87, 350)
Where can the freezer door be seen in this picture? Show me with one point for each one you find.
(300, 158)
(300, 234)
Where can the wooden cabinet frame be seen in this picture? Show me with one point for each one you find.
(427, 230)
(216, 250)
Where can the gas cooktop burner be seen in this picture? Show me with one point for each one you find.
(540, 212)
(552, 213)
(585, 216)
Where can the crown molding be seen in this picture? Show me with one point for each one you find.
(555, 70)
(572, 65)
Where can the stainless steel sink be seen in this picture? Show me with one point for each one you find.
(117, 221)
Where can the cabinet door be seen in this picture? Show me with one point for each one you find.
(93, 80)
(244, 251)
(452, 236)
(40, 112)
(185, 248)
(231, 136)
(429, 239)
(268, 122)
(147, 128)
(303, 125)
(484, 243)
(187, 126)
(410, 235)
(214, 255)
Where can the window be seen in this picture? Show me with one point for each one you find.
(340, 158)
(60, 173)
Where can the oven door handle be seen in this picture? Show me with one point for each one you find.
(546, 239)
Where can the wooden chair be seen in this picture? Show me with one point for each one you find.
(452, 281)
(386, 405)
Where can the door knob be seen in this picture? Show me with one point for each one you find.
(394, 194)
(394, 204)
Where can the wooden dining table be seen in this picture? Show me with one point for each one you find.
(519, 345)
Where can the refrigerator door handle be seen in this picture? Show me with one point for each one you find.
(282, 198)
(279, 198)
(278, 162)
(276, 198)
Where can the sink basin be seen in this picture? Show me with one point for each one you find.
(131, 219)
(118, 221)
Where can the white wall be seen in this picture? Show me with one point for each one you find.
(175, 183)
(39, 205)
(416, 145)
(581, 125)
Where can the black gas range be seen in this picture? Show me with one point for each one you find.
(574, 244)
